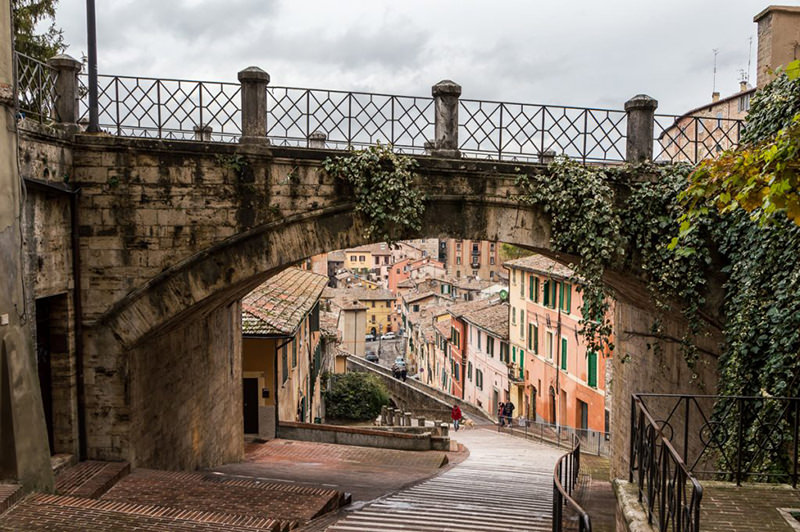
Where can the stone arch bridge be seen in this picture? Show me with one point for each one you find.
(160, 239)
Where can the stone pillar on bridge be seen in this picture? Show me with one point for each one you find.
(316, 140)
(408, 419)
(202, 133)
(66, 106)
(641, 110)
(445, 100)
(421, 422)
(254, 83)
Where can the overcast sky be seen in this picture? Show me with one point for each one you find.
(588, 53)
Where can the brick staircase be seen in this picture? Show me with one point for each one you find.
(99, 496)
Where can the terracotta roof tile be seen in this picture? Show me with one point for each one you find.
(279, 305)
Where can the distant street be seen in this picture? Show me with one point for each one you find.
(387, 350)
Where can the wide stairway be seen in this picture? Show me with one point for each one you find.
(505, 484)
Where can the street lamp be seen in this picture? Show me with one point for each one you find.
(91, 34)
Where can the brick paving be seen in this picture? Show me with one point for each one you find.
(750, 508)
(90, 478)
(596, 495)
(228, 495)
(9, 494)
(60, 513)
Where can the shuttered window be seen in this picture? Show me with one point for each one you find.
(592, 362)
(564, 354)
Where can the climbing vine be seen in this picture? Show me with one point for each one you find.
(584, 223)
(591, 223)
(383, 182)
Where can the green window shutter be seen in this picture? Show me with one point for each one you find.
(536, 339)
(592, 380)
(568, 299)
(553, 294)
(535, 289)
(564, 354)
(530, 287)
(546, 300)
(561, 296)
(530, 336)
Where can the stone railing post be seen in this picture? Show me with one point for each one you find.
(66, 105)
(445, 127)
(316, 140)
(383, 415)
(421, 422)
(641, 110)
(390, 417)
(408, 419)
(254, 83)
(203, 133)
(445, 430)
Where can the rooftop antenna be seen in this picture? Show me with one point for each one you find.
(714, 82)
(749, 56)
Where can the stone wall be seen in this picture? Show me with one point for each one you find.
(186, 395)
(640, 367)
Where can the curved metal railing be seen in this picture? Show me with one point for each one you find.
(567, 513)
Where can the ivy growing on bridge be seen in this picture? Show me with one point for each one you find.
(383, 182)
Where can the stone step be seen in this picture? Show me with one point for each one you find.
(9, 495)
(91, 478)
(76, 514)
(286, 502)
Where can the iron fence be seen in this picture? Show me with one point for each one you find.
(348, 119)
(732, 438)
(527, 132)
(666, 487)
(691, 139)
(567, 513)
(592, 442)
(211, 110)
(179, 109)
(36, 88)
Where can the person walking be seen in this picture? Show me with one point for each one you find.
(500, 412)
(508, 412)
(455, 414)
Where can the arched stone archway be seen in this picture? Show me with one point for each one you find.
(162, 341)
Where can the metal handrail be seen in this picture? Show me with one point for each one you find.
(565, 478)
(666, 487)
(140, 106)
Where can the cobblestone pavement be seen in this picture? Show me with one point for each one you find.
(749, 508)
(505, 484)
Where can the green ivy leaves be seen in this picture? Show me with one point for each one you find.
(383, 182)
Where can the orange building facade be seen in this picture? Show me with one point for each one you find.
(560, 380)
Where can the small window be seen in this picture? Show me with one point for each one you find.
(294, 354)
(479, 339)
(458, 260)
(284, 365)
(469, 371)
(490, 346)
(564, 354)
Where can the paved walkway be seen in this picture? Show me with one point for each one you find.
(505, 484)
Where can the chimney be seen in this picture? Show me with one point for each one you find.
(715, 96)
(742, 86)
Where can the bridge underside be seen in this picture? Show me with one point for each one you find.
(173, 234)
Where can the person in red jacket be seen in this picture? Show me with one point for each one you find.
(456, 415)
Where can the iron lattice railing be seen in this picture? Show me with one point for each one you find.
(732, 438)
(167, 108)
(567, 513)
(211, 110)
(348, 119)
(666, 487)
(526, 132)
(691, 139)
(36, 88)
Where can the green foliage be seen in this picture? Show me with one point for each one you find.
(356, 396)
(511, 252)
(580, 203)
(236, 162)
(761, 175)
(383, 182)
(26, 15)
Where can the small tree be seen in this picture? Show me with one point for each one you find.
(27, 14)
(355, 396)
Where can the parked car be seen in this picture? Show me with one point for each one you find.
(388, 336)
(369, 338)
(372, 357)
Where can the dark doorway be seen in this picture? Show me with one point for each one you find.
(552, 405)
(250, 405)
(44, 350)
(583, 412)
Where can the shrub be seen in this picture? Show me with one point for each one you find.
(356, 396)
